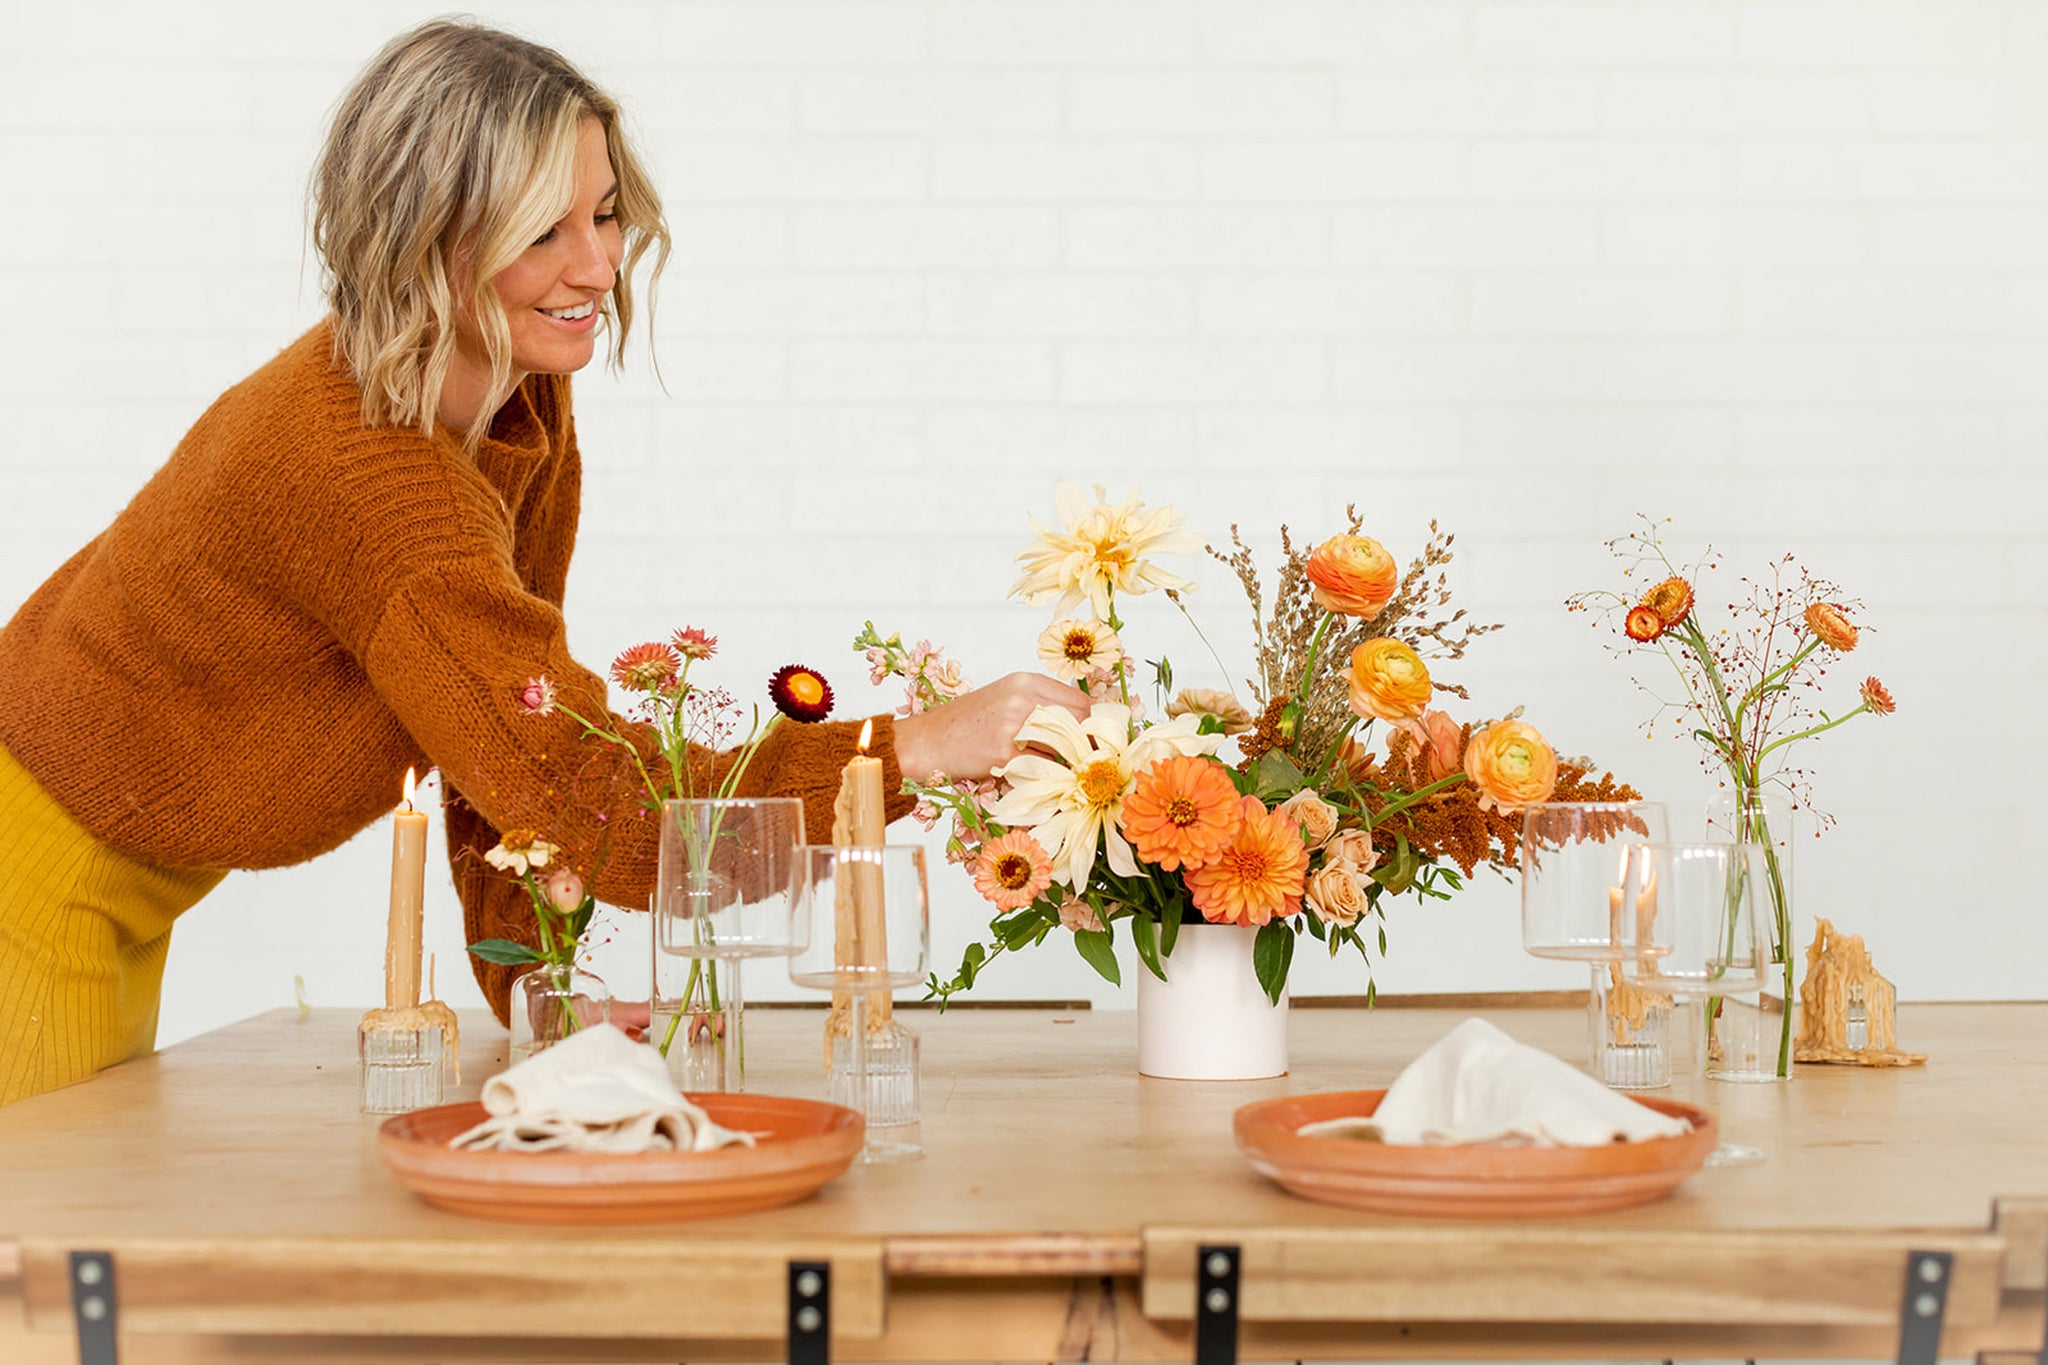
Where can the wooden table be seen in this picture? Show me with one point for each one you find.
(1055, 1217)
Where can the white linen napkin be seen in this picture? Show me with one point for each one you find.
(1476, 1084)
(595, 1091)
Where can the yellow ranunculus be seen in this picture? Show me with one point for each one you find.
(1388, 681)
(1512, 765)
(1354, 575)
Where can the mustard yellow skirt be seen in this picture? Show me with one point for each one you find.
(83, 933)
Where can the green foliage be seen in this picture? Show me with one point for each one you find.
(1096, 949)
(505, 952)
(1272, 951)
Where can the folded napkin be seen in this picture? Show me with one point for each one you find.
(595, 1091)
(1476, 1084)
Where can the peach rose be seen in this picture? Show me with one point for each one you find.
(1335, 896)
(1831, 626)
(1352, 849)
(1317, 817)
(1388, 681)
(1512, 765)
(1353, 575)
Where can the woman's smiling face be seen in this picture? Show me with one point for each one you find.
(552, 292)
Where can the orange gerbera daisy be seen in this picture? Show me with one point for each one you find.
(1182, 812)
(1260, 875)
(1643, 624)
(1671, 600)
(1011, 871)
(646, 668)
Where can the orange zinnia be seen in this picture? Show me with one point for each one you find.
(1012, 871)
(1182, 812)
(1260, 875)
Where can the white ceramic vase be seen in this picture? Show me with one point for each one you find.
(1209, 1021)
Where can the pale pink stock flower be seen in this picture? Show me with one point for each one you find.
(878, 665)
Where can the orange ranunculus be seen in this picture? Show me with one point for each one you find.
(1643, 623)
(1512, 765)
(1353, 575)
(1438, 745)
(1260, 875)
(1388, 681)
(1830, 625)
(1671, 600)
(1182, 812)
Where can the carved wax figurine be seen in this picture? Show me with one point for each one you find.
(1846, 1009)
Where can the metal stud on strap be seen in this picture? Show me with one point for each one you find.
(810, 1313)
(1927, 1277)
(92, 1303)
(1216, 1305)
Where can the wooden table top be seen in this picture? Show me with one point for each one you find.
(1046, 1155)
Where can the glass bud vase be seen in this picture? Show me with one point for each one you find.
(1749, 1036)
(551, 1002)
(698, 1022)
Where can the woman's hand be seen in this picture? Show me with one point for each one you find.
(976, 733)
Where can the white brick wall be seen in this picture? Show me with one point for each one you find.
(1778, 269)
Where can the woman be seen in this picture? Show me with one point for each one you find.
(354, 563)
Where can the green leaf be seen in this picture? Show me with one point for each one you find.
(1209, 725)
(1162, 675)
(1272, 950)
(1169, 931)
(504, 952)
(1094, 947)
(1146, 936)
(1315, 925)
(1277, 776)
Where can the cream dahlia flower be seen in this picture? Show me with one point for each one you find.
(1073, 803)
(1102, 548)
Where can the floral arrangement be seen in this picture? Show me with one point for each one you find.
(690, 724)
(1114, 819)
(1748, 691)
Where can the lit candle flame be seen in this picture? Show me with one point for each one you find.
(867, 732)
(409, 780)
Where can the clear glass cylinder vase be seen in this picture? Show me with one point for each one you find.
(1754, 1029)
(698, 1022)
(550, 1003)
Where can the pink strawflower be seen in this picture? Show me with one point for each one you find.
(693, 643)
(537, 698)
(646, 668)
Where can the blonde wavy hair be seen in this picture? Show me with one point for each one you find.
(452, 152)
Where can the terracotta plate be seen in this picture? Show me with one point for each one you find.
(1463, 1182)
(800, 1145)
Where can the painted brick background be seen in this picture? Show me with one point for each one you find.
(1777, 269)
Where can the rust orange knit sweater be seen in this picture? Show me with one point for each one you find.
(237, 672)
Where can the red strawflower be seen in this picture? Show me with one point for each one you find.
(800, 693)
(1643, 624)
